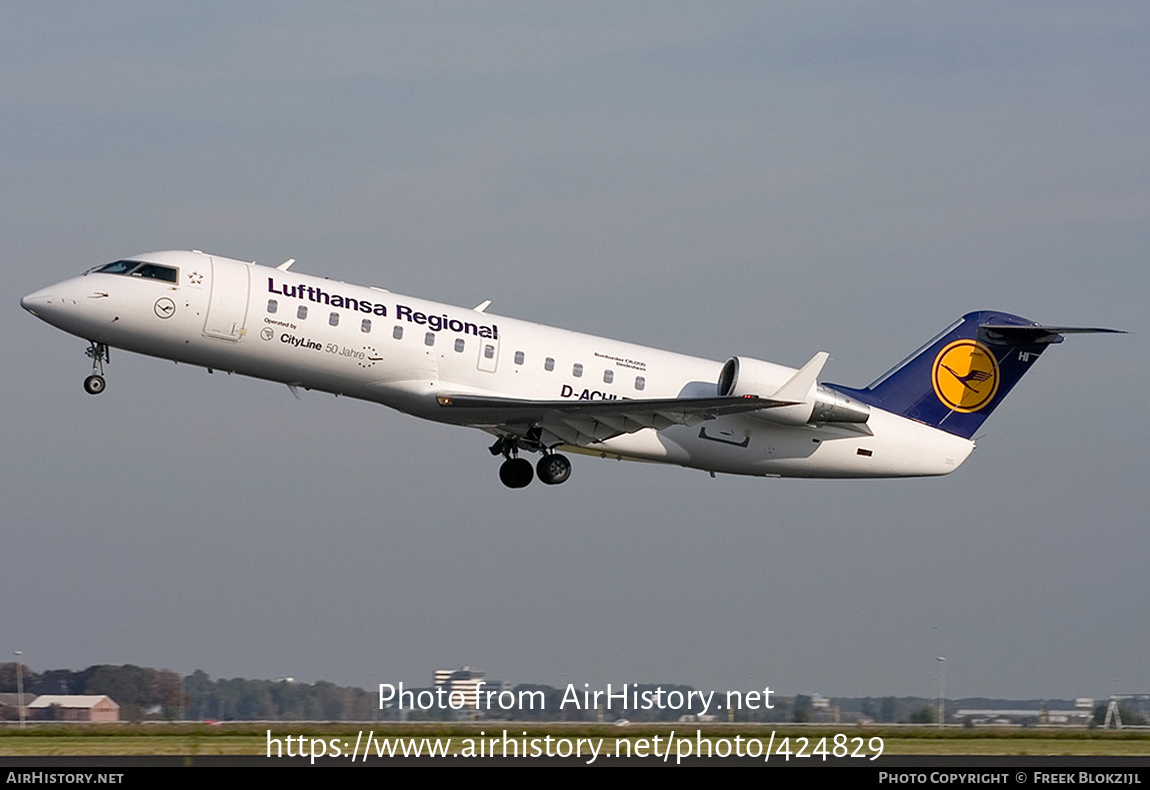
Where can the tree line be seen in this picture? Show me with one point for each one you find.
(160, 694)
(146, 693)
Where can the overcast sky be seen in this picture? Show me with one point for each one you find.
(760, 179)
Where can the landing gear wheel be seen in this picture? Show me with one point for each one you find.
(553, 469)
(516, 473)
(98, 353)
(94, 385)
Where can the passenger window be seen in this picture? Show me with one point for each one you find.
(459, 344)
(640, 382)
(489, 351)
(429, 339)
(608, 376)
(519, 357)
(397, 333)
(365, 325)
(577, 370)
(549, 364)
(301, 313)
(333, 319)
(273, 305)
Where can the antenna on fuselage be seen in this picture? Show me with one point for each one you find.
(283, 267)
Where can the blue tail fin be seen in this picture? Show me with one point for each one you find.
(957, 379)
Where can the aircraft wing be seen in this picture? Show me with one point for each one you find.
(581, 423)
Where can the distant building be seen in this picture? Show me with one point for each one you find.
(465, 682)
(73, 707)
(823, 711)
(1019, 716)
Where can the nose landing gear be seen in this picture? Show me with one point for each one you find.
(99, 354)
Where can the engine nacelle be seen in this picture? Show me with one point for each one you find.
(745, 376)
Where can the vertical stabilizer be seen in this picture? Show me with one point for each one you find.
(957, 379)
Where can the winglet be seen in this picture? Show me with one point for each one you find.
(482, 306)
(800, 386)
(283, 267)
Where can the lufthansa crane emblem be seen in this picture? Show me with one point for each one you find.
(965, 376)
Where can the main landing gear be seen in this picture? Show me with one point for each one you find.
(515, 472)
(553, 469)
(98, 353)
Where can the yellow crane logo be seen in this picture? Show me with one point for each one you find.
(965, 376)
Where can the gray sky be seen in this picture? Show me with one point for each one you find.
(767, 180)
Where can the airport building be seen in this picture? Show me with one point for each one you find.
(73, 707)
(466, 681)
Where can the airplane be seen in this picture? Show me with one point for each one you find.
(540, 389)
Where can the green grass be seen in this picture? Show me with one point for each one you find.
(251, 739)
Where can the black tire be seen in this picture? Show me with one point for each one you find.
(553, 469)
(94, 385)
(516, 473)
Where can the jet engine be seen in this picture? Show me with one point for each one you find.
(809, 401)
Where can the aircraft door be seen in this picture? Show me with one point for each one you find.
(228, 308)
(488, 354)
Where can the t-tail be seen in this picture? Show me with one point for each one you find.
(957, 379)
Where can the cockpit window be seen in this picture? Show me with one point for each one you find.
(151, 271)
(155, 272)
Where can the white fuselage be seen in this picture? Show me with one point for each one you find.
(403, 352)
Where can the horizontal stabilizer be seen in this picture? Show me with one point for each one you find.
(1036, 333)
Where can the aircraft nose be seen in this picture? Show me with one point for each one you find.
(39, 300)
(55, 303)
